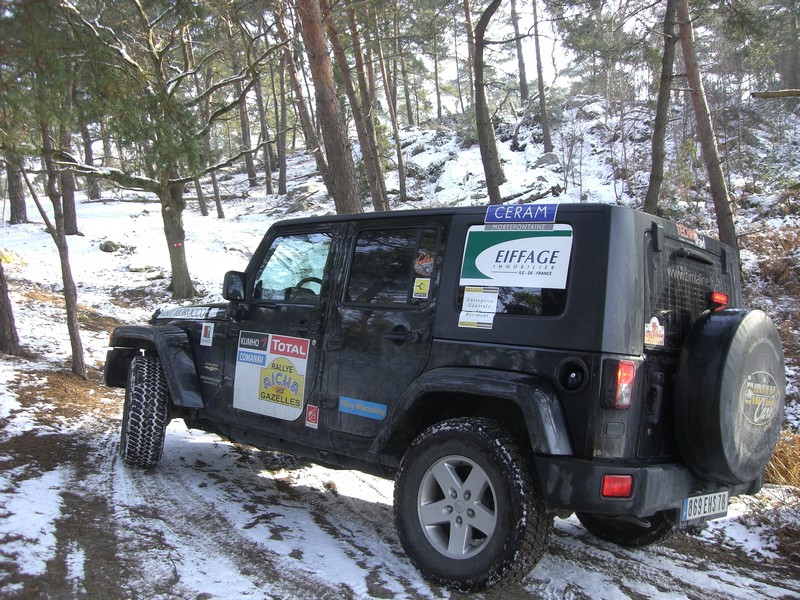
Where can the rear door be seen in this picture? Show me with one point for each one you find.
(682, 269)
(379, 335)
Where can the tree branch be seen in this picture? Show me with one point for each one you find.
(777, 94)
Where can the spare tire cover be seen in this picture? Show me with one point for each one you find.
(729, 395)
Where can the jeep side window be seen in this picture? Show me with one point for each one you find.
(389, 266)
(526, 301)
(293, 268)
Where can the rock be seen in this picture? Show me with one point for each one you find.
(546, 160)
(109, 246)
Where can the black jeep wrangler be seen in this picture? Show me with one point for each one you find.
(503, 364)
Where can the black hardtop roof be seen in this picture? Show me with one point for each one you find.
(570, 207)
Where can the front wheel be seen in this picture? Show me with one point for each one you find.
(468, 508)
(631, 532)
(145, 414)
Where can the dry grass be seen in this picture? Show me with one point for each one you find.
(88, 318)
(784, 469)
(780, 506)
(777, 261)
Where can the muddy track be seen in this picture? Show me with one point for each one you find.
(218, 520)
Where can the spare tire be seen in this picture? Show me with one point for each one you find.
(729, 395)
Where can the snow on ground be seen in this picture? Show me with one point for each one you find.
(216, 520)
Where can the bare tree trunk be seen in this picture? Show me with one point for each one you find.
(217, 197)
(401, 167)
(205, 115)
(401, 55)
(436, 77)
(59, 237)
(262, 117)
(244, 123)
(470, 49)
(523, 77)
(793, 81)
(486, 139)
(662, 111)
(201, 198)
(9, 340)
(705, 131)
(16, 190)
(364, 125)
(543, 117)
(67, 178)
(337, 145)
(306, 119)
(369, 98)
(172, 205)
(458, 70)
(283, 126)
(92, 183)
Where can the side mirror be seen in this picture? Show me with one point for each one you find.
(234, 286)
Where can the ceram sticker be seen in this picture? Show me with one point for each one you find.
(532, 259)
(270, 374)
(520, 214)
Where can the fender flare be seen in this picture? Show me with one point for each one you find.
(173, 349)
(539, 404)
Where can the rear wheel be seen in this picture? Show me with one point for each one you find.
(144, 416)
(468, 509)
(631, 532)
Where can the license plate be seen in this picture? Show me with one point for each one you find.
(707, 506)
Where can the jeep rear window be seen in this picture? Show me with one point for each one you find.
(679, 281)
(393, 267)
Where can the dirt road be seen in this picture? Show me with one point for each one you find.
(217, 520)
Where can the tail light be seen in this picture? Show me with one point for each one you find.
(718, 300)
(626, 373)
(617, 486)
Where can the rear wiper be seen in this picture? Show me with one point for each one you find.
(693, 255)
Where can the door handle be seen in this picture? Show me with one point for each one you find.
(334, 343)
(300, 331)
(304, 329)
(402, 335)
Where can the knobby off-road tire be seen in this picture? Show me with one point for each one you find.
(468, 508)
(144, 416)
(625, 532)
(729, 395)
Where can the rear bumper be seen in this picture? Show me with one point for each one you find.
(575, 485)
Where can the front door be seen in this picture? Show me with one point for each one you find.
(380, 331)
(274, 353)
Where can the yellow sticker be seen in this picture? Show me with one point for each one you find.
(282, 384)
(422, 287)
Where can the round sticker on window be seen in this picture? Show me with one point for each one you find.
(423, 264)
